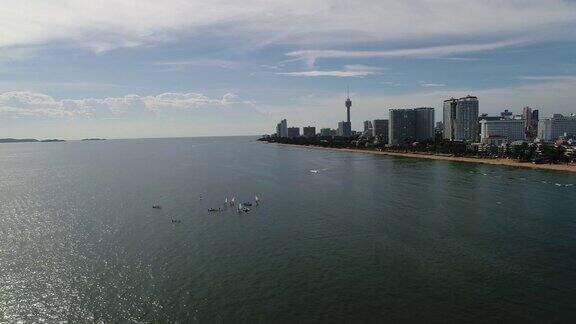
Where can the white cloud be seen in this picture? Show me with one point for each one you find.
(432, 85)
(310, 56)
(224, 64)
(550, 78)
(22, 104)
(354, 70)
(339, 74)
(107, 24)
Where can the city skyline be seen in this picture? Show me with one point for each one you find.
(77, 69)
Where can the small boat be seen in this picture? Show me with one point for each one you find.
(214, 209)
(240, 207)
(257, 200)
(245, 209)
(176, 221)
(248, 204)
(233, 201)
(226, 201)
(156, 206)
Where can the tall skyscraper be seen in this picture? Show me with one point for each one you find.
(461, 119)
(380, 130)
(467, 126)
(449, 115)
(424, 123)
(530, 118)
(402, 126)
(410, 125)
(283, 128)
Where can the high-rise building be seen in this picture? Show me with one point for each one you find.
(461, 119)
(344, 129)
(530, 118)
(402, 126)
(424, 123)
(409, 125)
(503, 130)
(549, 129)
(367, 128)
(325, 132)
(282, 129)
(449, 117)
(293, 132)
(380, 130)
(309, 131)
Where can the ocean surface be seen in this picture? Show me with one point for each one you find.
(338, 237)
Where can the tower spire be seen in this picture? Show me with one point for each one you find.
(348, 104)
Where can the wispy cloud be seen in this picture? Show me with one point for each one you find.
(339, 74)
(310, 56)
(182, 64)
(108, 24)
(550, 78)
(31, 104)
(348, 71)
(432, 85)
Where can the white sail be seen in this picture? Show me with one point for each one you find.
(240, 207)
(226, 200)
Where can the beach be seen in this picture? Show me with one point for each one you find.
(504, 162)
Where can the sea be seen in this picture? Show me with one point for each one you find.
(337, 237)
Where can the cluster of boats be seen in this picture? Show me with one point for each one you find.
(242, 207)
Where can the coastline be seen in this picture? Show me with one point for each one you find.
(503, 162)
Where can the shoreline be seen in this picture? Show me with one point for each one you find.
(502, 162)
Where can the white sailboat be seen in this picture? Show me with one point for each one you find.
(257, 200)
(233, 201)
(226, 201)
(240, 207)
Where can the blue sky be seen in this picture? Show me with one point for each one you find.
(123, 69)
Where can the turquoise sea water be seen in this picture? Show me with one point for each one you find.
(362, 238)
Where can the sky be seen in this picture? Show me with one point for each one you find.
(74, 69)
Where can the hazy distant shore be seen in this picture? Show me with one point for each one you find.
(505, 162)
(28, 140)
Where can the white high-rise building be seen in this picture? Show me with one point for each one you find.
(461, 119)
(282, 128)
(466, 126)
(549, 129)
(503, 130)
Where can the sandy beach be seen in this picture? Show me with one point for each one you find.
(505, 162)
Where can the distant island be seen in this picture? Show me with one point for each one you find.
(94, 139)
(28, 140)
